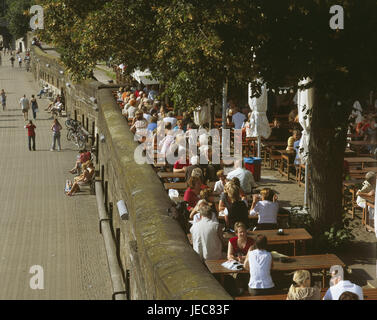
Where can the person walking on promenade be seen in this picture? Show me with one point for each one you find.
(12, 60)
(34, 106)
(56, 128)
(3, 99)
(31, 134)
(25, 104)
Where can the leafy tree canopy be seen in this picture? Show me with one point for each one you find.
(18, 17)
(191, 46)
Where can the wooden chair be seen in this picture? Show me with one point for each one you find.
(275, 160)
(286, 164)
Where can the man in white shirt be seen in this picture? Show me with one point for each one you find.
(170, 118)
(130, 111)
(167, 140)
(207, 236)
(146, 115)
(338, 286)
(238, 119)
(57, 108)
(219, 185)
(25, 104)
(152, 94)
(245, 176)
(334, 292)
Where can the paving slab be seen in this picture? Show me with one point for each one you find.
(39, 224)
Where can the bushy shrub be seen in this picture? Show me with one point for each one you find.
(326, 239)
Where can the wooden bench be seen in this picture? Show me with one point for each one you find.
(369, 294)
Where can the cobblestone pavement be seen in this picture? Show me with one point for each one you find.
(39, 224)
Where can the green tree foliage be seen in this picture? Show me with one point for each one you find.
(191, 46)
(18, 17)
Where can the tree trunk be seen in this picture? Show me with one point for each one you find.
(326, 156)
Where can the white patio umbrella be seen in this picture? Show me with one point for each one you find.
(202, 114)
(259, 126)
(144, 77)
(304, 104)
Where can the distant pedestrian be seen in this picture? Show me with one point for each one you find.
(34, 106)
(56, 128)
(12, 60)
(3, 99)
(31, 134)
(25, 105)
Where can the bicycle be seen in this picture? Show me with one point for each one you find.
(75, 133)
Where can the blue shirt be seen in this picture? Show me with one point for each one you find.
(152, 126)
(296, 146)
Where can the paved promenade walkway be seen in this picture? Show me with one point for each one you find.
(39, 224)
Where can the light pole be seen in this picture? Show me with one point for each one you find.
(225, 97)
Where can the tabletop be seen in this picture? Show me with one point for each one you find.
(360, 160)
(274, 143)
(165, 175)
(361, 143)
(272, 236)
(312, 262)
(176, 185)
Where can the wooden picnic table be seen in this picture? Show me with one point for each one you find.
(355, 161)
(358, 145)
(176, 185)
(349, 153)
(320, 262)
(271, 146)
(290, 236)
(171, 175)
(254, 217)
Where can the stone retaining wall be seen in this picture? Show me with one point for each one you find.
(156, 258)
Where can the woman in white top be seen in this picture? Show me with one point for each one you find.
(220, 184)
(267, 208)
(259, 263)
(139, 127)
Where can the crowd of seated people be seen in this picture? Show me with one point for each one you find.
(215, 193)
(84, 170)
(363, 127)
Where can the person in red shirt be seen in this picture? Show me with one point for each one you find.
(83, 157)
(238, 248)
(192, 193)
(31, 134)
(181, 165)
(239, 245)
